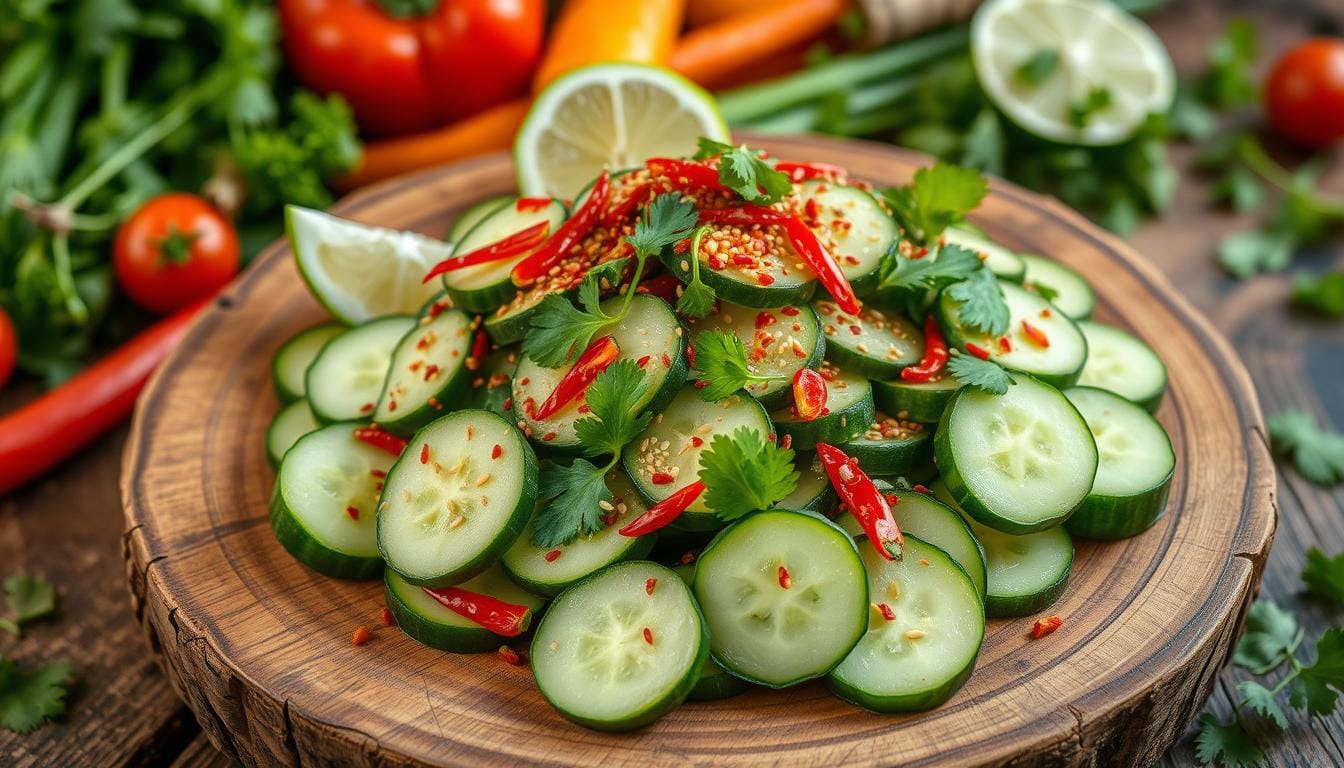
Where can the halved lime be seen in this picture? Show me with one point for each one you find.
(610, 116)
(359, 271)
(1072, 71)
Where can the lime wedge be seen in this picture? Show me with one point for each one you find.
(1071, 71)
(609, 116)
(359, 272)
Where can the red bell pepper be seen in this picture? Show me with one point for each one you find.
(665, 511)
(686, 174)
(410, 65)
(803, 171)
(935, 355)
(492, 613)
(809, 394)
(594, 360)
(379, 438)
(518, 243)
(866, 503)
(572, 231)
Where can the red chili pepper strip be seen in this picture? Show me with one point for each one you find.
(809, 394)
(492, 613)
(381, 439)
(480, 346)
(685, 174)
(935, 355)
(529, 204)
(572, 231)
(866, 503)
(594, 360)
(665, 511)
(803, 171)
(518, 243)
(820, 261)
(977, 350)
(622, 210)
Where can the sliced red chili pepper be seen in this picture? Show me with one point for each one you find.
(572, 231)
(518, 243)
(803, 171)
(685, 174)
(663, 286)
(820, 261)
(935, 355)
(665, 511)
(1036, 335)
(594, 360)
(1045, 626)
(809, 394)
(622, 210)
(381, 439)
(977, 350)
(529, 204)
(480, 346)
(492, 613)
(865, 502)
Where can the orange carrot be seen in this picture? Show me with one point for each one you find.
(709, 54)
(592, 31)
(702, 12)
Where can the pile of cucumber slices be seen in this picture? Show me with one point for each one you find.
(408, 448)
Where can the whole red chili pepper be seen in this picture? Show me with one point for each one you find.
(865, 502)
(594, 360)
(513, 245)
(809, 394)
(665, 511)
(572, 231)
(935, 355)
(492, 613)
(381, 439)
(803, 171)
(622, 210)
(686, 174)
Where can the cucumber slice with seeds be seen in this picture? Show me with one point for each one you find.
(926, 651)
(784, 595)
(1018, 462)
(473, 215)
(457, 499)
(714, 682)
(323, 509)
(1135, 467)
(848, 412)
(428, 372)
(485, 287)
(429, 622)
(1072, 295)
(1007, 265)
(1058, 361)
(1120, 363)
(779, 342)
(345, 379)
(813, 492)
(291, 361)
(614, 655)
(922, 402)
(869, 233)
(291, 423)
(875, 344)
(891, 446)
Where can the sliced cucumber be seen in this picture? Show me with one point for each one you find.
(1119, 362)
(868, 235)
(549, 570)
(492, 387)
(650, 335)
(614, 655)
(774, 279)
(714, 682)
(891, 446)
(323, 509)
(485, 287)
(876, 344)
(779, 342)
(672, 445)
(457, 499)
(291, 361)
(473, 215)
(848, 412)
(428, 372)
(922, 402)
(925, 652)
(429, 622)
(511, 322)
(1008, 265)
(1135, 468)
(813, 492)
(1018, 462)
(1058, 362)
(1023, 574)
(784, 595)
(292, 422)
(1072, 295)
(345, 379)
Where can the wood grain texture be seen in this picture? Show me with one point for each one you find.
(259, 647)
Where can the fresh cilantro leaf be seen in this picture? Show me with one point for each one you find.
(28, 598)
(29, 698)
(667, 219)
(947, 265)
(937, 198)
(1324, 294)
(745, 172)
(1097, 100)
(986, 375)
(744, 472)
(1271, 634)
(1317, 454)
(1227, 744)
(1324, 576)
(1239, 189)
(1319, 685)
(560, 331)
(1041, 289)
(1188, 118)
(1229, 81)
(603, 277)
(697, 299)
(981, 302)
(611, 402)
(573, 496)
(1261, 699)
(1038, 67)
(983, 145)
(721, 361)
(1246, 253)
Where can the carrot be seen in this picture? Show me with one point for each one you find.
(702, 12)
(709, 54)
(592, 31)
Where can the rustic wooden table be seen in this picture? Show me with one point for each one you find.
(69, 526)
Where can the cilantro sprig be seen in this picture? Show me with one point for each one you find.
(746, 172)
(935, 199)
(697, 298)
(28, 598)
(949, 264)
(980, 302)
(744, 472)
(1324, 576)
(30, 697)
(1318, 454)
(721, 362)
(985, 375)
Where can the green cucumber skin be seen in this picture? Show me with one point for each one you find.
(455, 388)
(518, 518)
(1118, 517)
(1057, 380)
(307, 550)
(891, 457)
(835, 427)
(511, 328)
(718, 687)
(922, 405)
(784, 395)
(639, 550)
(286, 394)
(1013, 606)
(491, 297)
(847, 359)
(737, 292)
(439, 636)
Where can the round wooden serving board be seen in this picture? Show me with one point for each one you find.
(259, 646)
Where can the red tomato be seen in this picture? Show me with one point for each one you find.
(176, 250)
(403, 75)
(9, 347)
(1304, 95)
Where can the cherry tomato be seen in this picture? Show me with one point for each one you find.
(9, 348)
(1304, 96)
(176, 250)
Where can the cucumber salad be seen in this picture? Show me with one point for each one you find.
(717, 423)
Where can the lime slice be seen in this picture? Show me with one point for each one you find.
(359, 272)
(1072, 71)
(609, 116)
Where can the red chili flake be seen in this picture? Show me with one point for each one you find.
(1005, 345)
(584, 408)
(1036, 335)
(649, 584)
(1045, 313)
(431, 371)
(366, 408)
(361, 636)
(424, 453)
(770, 437)
(892, 499)
(742, 261)
(764, 319)
(509, 656)
(697, 441)
(978, 351)
(480, 346)
(377, 473)
(687, 557)
(690, 354)
(548, 437)
(648, 636)
(391, 406)
(887, 613)
(386, 617)
(682, 245)
(1045, 626)
(856, 330)
(662, 478)
(352, 512)
(810, 208)
(790, 311)
(438, 307)
(415, 365)
(667, 361)
(526, 204)
(424, 342)
(643, 361)
(508, 403)
(764, 278)
(919, 488)
(785, 580)
(497, 451)
(786, 442)
(700, 384)
(552, 556)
